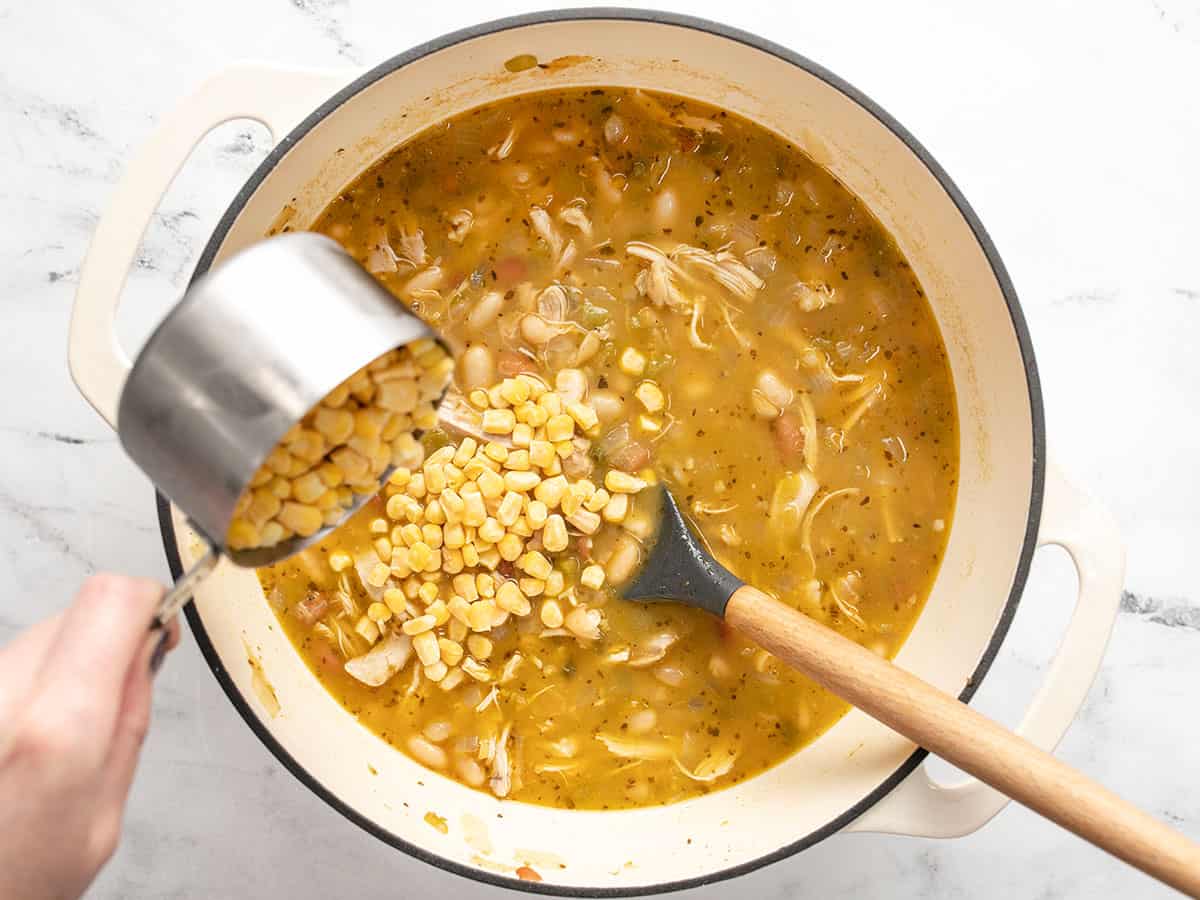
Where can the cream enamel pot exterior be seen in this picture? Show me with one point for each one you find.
(859, 776)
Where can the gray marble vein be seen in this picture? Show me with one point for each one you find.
(1071, 128)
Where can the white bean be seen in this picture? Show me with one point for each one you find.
(478, 367)
(537, 331)
(572, 384)
(624, 560)
(425, 752)
(469, 771)
(437, 731)
(485, 311)
(608, 405)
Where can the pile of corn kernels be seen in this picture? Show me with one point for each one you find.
(475, 510)
(342, 447)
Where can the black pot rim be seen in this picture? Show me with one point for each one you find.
(1019, 327)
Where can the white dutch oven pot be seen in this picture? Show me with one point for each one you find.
(858, 776)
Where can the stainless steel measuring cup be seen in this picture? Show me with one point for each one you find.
(249, 350)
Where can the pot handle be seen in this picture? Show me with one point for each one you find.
(920, 806)
(277, 97)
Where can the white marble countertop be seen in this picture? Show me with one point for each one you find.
(1073, 130)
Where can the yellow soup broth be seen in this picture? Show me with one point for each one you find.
(744, 332)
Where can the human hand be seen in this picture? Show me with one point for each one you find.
(74, 709)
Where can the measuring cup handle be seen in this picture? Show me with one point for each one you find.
(177, 597)
(277, 97)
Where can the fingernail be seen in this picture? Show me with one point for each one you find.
(159, 654)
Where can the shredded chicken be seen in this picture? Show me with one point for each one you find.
(505, 147)
(382, 661)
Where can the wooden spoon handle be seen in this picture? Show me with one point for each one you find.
(973, 742)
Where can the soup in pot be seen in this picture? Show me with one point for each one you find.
(642, 292)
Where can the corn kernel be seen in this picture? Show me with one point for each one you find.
(509, 509)
(378, 613)
(490, 484)
(555, 582)
(452, 560)
(478, 398)
(432, 535)
(420, 556)
(470, 555)
(560, 428)
(454, 536)
(514, 390)
(531, 587)
(367, 629)
(435, 478)
(412, 587)
(522, 434)
(632, 362)
(554, 534)
(439, 611)
(242, 534)
(491, 530)
(521, 529)
(395, 426)
(383, 549)
(300, 518)
(551, 404)
(510, 547)
(536, 512)
(521, 481)
(480, 615)
(498, 421)
(434, 513)
(416, 486)
(394, 598)
(541, 454)
(479, 646)
(597, 501)
(475, 513)
(583, 415)
(651, 396)
(551, 614)
(485, 584)
(451, 651)
(592, 577)
(535, 564)
(335, 425)
(452, 505)
(518, 461)
(457, 631)
(585, 521)
(490, 558)
(570, 503)
(419, 625)
(458, 607)
(464, 587)
(426, 646)
(616, 508)
(428, 592)
(563, 449)
(619, 482)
